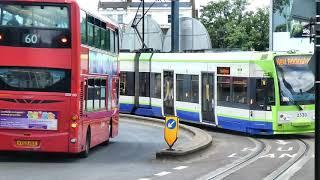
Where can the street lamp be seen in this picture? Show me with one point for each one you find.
(316, 36)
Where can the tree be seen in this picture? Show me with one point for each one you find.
(231, 26)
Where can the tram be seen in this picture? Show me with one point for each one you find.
(253, 92)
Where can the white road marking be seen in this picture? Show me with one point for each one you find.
(232, 155)
(268, 156)
(180, 167)
(144, 179)
(163, 173)
(283, 150)
(248, 149)
(282, 142)
(289, 155)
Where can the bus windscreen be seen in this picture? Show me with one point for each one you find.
(35, 16)
(35, 25)
(35, 79)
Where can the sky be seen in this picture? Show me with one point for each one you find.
(92, 4)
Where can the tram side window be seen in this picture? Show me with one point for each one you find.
(264, 92)
(83, 20)
(260, 93)
(188, 88)
(127, 83)
(239, 90)
(144, 84)
(224, 89)
(156, 85)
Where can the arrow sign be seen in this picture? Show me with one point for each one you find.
(171, 130)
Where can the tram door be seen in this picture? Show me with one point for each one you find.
(208, 97)
(168, 93)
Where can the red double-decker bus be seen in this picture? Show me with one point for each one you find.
(59, 77)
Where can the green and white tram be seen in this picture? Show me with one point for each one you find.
(252, 92)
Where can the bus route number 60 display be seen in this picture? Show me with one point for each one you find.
(171, 130)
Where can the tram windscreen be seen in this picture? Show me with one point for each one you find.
(296, 79)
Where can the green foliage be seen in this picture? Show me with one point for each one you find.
(231, 26)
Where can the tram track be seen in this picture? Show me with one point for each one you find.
(287, 170)
(261, 149)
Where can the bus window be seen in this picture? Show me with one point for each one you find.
(112, 49)
(103, 39)
(103, 94)
(108, 33)
(91, 95)
(97, 94)
(90, 31)
(35, 79)
(83, 21)
(116, 42)
(38, 16)
(97, 37)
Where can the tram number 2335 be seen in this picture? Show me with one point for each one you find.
(302, 115)
(30, 38)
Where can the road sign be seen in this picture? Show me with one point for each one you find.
(171, 130)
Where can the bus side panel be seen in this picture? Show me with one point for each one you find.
(115, 106)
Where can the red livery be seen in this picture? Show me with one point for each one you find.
(59, 77)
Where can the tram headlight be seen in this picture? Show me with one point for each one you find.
(284, 117)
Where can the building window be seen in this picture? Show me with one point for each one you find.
(120, 18)
(187, 88)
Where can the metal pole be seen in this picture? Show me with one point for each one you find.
(271, 26)
(175, 41)
(143, 24)
(317, 65)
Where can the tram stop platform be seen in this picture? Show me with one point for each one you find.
(192, 139)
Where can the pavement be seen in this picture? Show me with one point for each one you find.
(198, 139)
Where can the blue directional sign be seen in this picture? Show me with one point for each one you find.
(171, 124)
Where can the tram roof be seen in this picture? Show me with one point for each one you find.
(198, 57)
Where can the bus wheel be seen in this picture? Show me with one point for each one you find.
(85, 153)
(110, 134)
